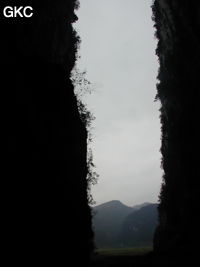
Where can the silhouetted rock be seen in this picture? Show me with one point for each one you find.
(177, 26)
(46, 218)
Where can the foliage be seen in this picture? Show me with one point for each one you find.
(82, 87)
(92, 175)
(77, 4)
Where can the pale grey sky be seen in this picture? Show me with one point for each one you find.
(118, 53)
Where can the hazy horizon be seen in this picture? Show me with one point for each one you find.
(118, 53)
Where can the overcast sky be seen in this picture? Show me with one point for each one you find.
(118, 53)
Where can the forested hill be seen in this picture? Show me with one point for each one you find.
(117, 225)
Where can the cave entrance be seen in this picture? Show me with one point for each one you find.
(118, 54)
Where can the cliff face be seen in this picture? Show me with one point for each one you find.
(177, 26)
(45, 212)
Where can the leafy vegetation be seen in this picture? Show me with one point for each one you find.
(82, 87)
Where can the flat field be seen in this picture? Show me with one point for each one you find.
(124, 251)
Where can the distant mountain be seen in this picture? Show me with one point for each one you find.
(138, 227)
(107, 221)
(117, 225)
(137, 207)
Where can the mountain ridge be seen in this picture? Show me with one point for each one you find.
(111, 203)
(118, 225)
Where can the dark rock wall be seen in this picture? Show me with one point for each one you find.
(45, 212)
(177, 26)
